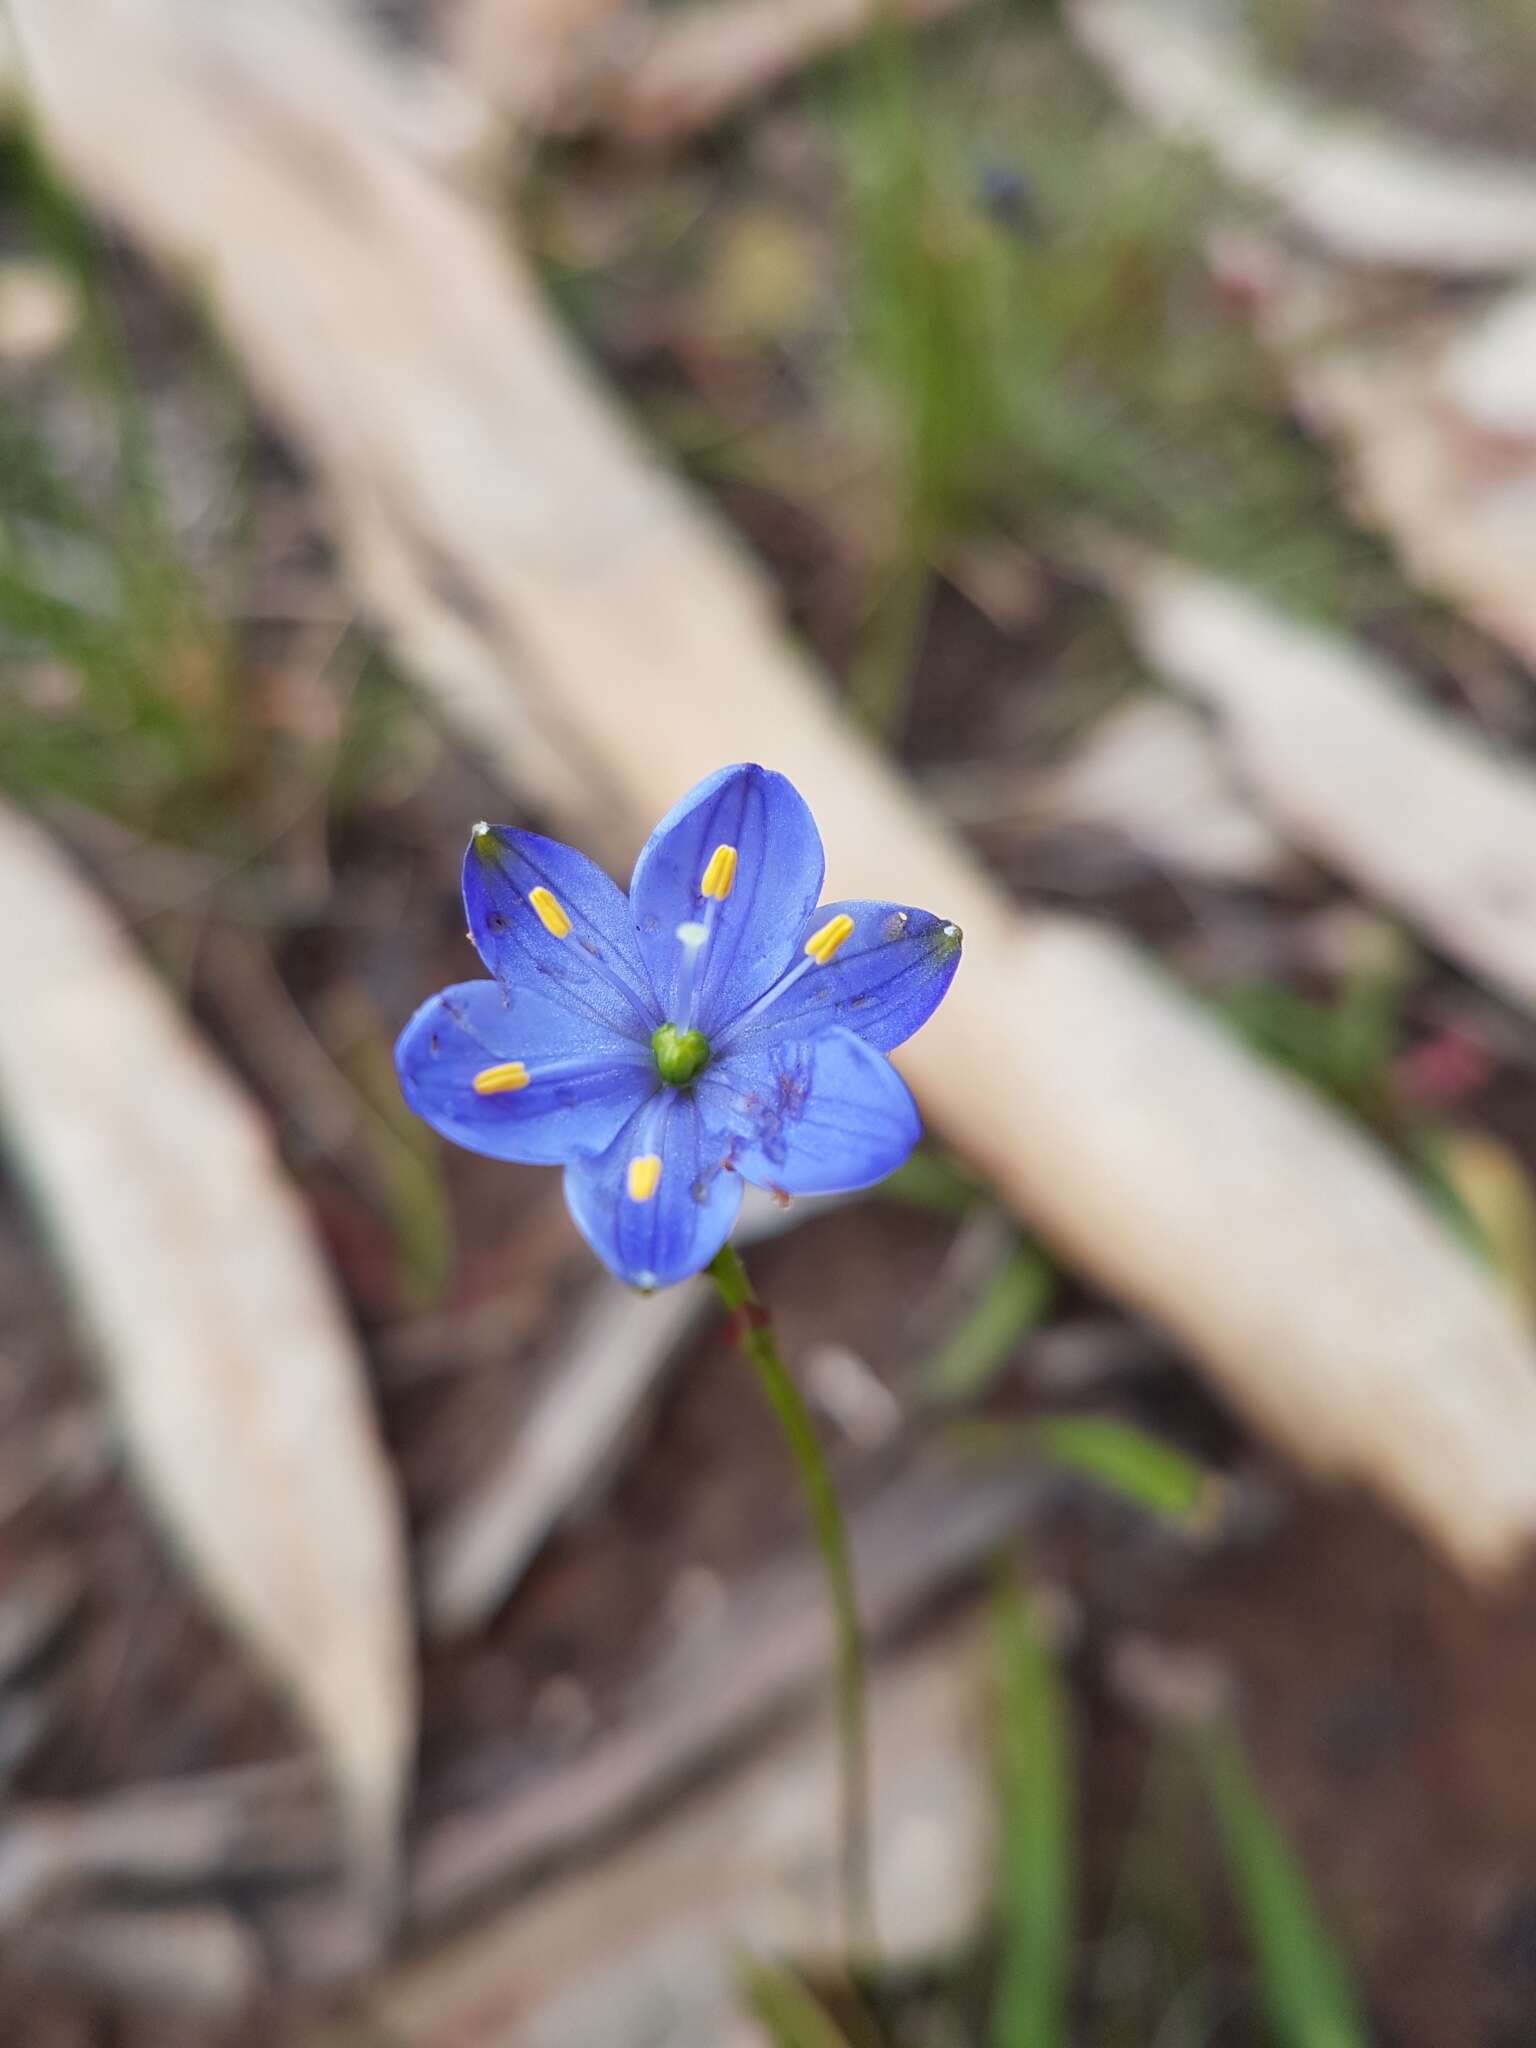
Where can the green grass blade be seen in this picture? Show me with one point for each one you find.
(1012, 1303)
(1305, 1988)
(1039, 1878)
(784, 2006)
(1143, 1469)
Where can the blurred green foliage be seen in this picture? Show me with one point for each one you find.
(1159, 1971)
(1344, 1046)
(129, 686)
(122, 674)
(1034, 311)
(1014, 1300)
(1037, 1885)
(788, 2011)
(1141, 1469)
(1307, 1996)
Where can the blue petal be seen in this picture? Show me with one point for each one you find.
(757, 927)
(813, 1116)
(584, 1080)
(684, 1223)
(596, 968)
(887, 978)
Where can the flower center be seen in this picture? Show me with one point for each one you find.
(679, 1054)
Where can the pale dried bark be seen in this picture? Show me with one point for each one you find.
(646, 1943)
(603, 1370)
(925, 1536)
(649, 74)
(237, 1384)
(1433, 411)
(1367, 191)
(540, 62)
(705, 61)
(1488, 375)
(198, 1962)
(600, 645)
(1155, 775)
(1343, 753)
(187, 1834)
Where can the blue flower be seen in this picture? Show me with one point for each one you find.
(716, 1027)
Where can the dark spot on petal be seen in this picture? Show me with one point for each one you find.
(794, 1086)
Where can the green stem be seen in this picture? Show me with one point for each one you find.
(754, 1339)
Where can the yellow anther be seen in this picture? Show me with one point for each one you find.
(643, 1176)
(720, 874)
(503, 1080)
(823, 944)
(550, 912)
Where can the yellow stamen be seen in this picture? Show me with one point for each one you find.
(720, 874)
(550, 912)
(823, 944)
(644, 1173)
(503, 1080)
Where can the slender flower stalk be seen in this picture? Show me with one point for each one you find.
(752, 1334)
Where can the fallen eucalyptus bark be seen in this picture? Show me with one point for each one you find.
(650, 74)
(704, 61)
(236, 1382)
(645, 1945)
(600, 645)
(191, 1833)
(602, 1372)
(1154, 775)
(924, 1534)
(1433, 410)
(198, 1962)
(1365, 190)
(1406, 802)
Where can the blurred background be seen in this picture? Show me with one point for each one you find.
(1123, 414)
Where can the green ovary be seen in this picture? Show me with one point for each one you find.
(679, 1054)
